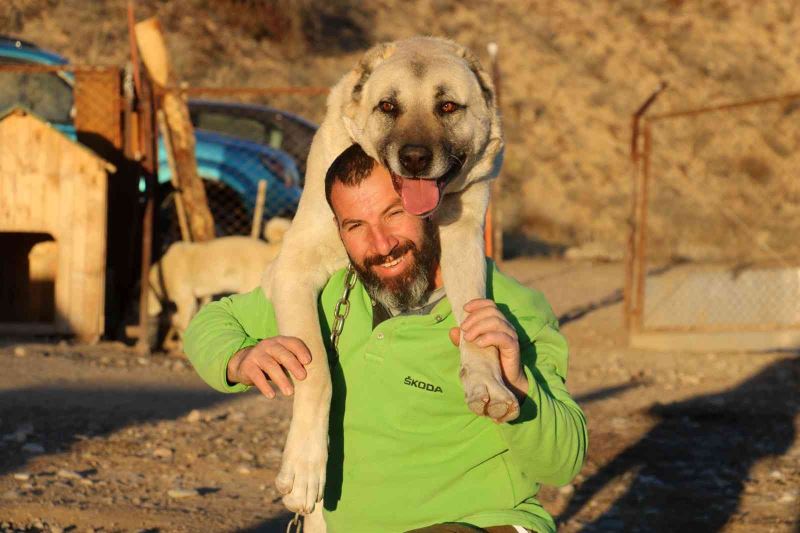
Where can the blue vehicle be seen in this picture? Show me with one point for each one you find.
(231, 167)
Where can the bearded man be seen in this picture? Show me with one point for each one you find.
(406, 453)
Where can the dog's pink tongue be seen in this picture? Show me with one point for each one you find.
(419, 195)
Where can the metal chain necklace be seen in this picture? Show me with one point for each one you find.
(340, 312)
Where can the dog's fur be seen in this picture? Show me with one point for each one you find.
(189, 271)
(417, 76)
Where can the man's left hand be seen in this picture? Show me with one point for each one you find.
(486, 326)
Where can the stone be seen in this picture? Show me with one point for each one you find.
(22, 476)
(243, 470)
(68, 474)
(20, 351)
(163, 453)
(567, 490)
(182, 493)
(193, 416)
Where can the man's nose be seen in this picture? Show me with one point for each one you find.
(382, 241)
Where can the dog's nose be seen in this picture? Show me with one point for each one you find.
(415, 158)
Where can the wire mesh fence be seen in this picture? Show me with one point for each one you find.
(715, 247)
(246, 136)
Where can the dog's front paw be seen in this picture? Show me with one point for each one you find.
(485, 392)
(301, 479)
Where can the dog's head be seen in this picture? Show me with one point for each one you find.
(425, 109)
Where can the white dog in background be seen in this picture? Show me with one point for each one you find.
(425, 109)
(192, 271)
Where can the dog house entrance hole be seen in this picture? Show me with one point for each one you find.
(28, 278)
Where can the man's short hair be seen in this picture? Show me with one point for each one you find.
(350, 168)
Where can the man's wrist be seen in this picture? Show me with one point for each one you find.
(232, 371)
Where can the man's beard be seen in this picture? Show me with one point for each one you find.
(411, 288)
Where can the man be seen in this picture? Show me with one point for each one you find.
(405, 450)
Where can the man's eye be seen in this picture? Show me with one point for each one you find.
(351, 227)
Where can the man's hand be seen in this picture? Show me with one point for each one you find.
(270, 360)
(486, 326)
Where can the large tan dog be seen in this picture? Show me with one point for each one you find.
(426, 110)
(192, 271)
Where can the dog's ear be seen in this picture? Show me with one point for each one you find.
(483, 77)
(371, 59)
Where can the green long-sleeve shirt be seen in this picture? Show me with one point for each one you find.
(405, 450)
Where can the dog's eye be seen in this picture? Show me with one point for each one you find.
(387, 107)
(449, 107)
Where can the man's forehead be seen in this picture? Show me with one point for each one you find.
(372, 195)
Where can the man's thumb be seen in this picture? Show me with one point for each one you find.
(455, 335)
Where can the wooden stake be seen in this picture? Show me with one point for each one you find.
(258, 213)
(179, 209)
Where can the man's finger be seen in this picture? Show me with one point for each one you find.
(286, 358)
(474, 305)
(289, 361)
(480, 314)
(276, 374)
(297, 347)
(486, 325)
(502, 341)
(257, 377)
(455, 336)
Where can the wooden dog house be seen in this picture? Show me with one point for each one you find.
(51, 189)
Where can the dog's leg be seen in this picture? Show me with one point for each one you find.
(315, 522)
(292, 283)
(464, 272)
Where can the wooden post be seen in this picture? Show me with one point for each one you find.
(183, 224)
(258, 212)
(152, 47)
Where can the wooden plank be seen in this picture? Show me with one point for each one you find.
(744, 341)
(28, 328)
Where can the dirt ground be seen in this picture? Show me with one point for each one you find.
(94, 438)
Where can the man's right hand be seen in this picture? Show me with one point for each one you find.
(270, 360)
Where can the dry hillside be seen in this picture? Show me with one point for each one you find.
(573, 71)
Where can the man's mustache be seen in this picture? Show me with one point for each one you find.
(396, 252)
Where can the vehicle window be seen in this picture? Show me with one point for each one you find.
(241, 127)
(44, 93)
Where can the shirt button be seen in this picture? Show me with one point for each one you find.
(379, 336)
(439, 318)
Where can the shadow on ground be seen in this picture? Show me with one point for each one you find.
(689, 471)
(60, 415)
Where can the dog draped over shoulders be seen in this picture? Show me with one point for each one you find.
(426, 110)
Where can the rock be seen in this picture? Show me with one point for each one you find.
(86, 482)
(68, 474)
(32, 447)
(193, 416)
(243, 470)
(182, 493)
(567, 490)
(162, 453)
(247, 456)
(143, 361)
(787, 497)
(20, 351)
(56, 529)
(38, 524)
(22, 476)
(776, 474)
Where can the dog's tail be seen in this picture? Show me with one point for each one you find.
(276, 228)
